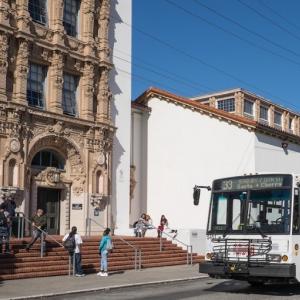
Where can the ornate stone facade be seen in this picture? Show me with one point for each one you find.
(83, 142)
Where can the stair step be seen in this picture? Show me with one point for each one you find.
(22, 264)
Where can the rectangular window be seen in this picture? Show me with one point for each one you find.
(291, 124)
(277, 118)
(227, 105)
(69, 94)
(263, 114)
(248, 108)
(35, 85)
(38, 11)
(71, 8)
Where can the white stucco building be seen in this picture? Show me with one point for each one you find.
(179, 142)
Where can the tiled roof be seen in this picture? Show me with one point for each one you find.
(214, 112)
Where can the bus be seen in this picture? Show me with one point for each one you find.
(253, 229)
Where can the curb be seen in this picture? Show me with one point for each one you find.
(107, 288)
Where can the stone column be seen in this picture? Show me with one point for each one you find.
(239, 103)
(257, 110)
(87, 91)
(55, 82)
(212, 102)
(103, 97)
(285, 121)
(87, 24)
(21, 72)
(104, 51)
(23, 17)
(271, 114)
(3, 65)
(56, 14)
(4, 14)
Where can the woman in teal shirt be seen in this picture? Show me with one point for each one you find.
(105, 247)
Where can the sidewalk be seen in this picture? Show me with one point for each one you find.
(58, 285)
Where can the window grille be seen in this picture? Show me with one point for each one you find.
(227, 104)
(71, 8)
(35, 85)
(69, 94)
(38, 11)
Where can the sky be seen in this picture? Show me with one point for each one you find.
(194, 47)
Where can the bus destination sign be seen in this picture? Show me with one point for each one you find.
(248, 183)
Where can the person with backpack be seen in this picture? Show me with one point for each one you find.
(4, 230)
(72, 242)
(105, 247)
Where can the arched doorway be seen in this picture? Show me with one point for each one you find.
(49, 197)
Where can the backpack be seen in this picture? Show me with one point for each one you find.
(109, 245)
(3, 220)
(70, 244)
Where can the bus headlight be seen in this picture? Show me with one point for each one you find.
(208, 256)
(274, 257)
(285, 258)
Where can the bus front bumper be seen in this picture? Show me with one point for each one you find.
(237, 269)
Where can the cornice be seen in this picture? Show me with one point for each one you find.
(56, 116)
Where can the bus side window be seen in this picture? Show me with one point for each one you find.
(296, 214)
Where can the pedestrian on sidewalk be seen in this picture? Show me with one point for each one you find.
(105, 248)
(39, 224)
(4, 230)
(74, 250)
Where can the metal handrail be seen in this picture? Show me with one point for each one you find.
(44, 233)
(137, 250)
(189, 248)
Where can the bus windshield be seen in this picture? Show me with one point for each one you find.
(251, 211)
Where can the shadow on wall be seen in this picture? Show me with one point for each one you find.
(118, 150)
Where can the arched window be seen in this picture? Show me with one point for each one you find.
(99, 183)
(48, 158)
(12, 173)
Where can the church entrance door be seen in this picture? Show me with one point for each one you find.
(49, 201)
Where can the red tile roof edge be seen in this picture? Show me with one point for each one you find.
(143, 99)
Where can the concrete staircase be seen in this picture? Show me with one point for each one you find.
(22, 264)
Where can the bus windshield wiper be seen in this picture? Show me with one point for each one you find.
(258, 229)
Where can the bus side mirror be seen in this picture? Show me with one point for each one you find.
(196, 195)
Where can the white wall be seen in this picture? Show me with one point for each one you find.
(187, 148)
(120, 84)
(270, 157)
(139, 130)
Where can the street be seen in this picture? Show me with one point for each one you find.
(211, 289)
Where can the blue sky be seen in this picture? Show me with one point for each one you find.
(191, 47)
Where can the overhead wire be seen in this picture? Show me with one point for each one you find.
(278, 14)
(269, 20)
(180, 77)
(161, 74)
(266, 39)
(201, 61)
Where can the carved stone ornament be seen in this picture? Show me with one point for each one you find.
(101, 159)
(14, 145)
(78, 185)
(50, 176)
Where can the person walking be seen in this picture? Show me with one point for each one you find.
(4, 230)
(39, 224)
(105, 247)
(75, 241)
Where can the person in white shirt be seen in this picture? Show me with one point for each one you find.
(74, 246)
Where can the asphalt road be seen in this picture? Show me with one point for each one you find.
(210, 289)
